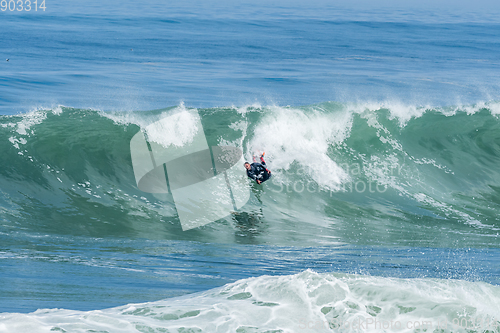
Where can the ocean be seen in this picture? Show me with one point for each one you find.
(380, 124)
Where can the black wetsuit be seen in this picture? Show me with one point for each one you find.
(258, 171)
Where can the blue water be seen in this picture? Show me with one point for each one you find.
(152, 55)
(400, 96)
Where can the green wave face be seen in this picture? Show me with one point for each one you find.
(359, 174)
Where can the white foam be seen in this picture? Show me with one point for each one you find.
(177, 129)
(305, 302)
(57, 110)
(291, 135)
(397, 109)
(28, 120)
(35, 117)
(492, 106)
(173, 127)
(495, 108)
(15, 141)
(404, 113)
(244, 109)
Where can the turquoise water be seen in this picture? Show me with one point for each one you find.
(380, 126)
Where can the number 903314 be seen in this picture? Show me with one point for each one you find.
(22, 5)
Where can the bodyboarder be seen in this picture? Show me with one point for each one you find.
(258, 171)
